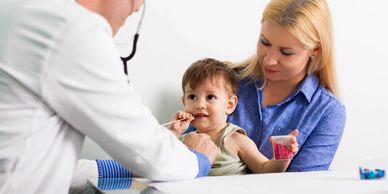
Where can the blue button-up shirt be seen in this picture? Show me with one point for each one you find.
(312, 109)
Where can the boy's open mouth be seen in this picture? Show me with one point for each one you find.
(201, 115)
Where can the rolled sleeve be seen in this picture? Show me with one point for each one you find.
(320, 147)
(204, 164)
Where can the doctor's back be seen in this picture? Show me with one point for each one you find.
(38, 150)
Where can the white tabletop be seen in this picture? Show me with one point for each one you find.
(278, 183)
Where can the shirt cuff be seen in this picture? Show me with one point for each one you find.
(204, 164)
(112, 176)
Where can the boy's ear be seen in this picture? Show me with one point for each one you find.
(232, 103)
(183, 100)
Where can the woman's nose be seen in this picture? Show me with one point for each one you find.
(271, 57)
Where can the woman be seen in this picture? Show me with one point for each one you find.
(289, 84)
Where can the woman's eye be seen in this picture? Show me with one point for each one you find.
(265, 42)
(286, 53)
(191, 97)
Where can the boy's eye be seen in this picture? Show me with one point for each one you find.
(191, 97)
(211, 97)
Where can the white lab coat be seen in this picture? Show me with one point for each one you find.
(61, 79)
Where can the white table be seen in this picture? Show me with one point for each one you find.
(278, 183)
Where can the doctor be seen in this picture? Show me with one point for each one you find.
(61, 79)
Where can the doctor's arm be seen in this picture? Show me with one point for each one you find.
(90, 92)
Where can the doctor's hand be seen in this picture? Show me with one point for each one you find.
(183, 120)
(202, 143)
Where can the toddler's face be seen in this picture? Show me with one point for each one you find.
(209, 103)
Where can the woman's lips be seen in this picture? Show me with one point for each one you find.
(267, 70)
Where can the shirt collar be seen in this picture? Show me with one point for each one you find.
(308, 86)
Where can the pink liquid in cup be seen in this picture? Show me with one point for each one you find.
(282, 147)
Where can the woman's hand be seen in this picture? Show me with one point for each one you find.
(293, 143)
(183, 121)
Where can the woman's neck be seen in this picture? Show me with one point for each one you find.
(275, 92)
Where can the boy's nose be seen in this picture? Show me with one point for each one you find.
(201, 104)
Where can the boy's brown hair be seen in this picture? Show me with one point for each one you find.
(209, 68)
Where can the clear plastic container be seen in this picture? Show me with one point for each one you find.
(282, 147)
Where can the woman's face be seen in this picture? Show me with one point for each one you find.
(282, 56)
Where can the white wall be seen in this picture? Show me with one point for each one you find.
(175, 33)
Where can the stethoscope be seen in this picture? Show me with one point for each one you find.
(135, 38)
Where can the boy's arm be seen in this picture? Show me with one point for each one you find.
(252, 157)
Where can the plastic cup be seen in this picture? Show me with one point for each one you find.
(282, 147)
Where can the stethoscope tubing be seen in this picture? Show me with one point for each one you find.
(135, 38)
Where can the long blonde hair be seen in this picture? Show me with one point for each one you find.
(310, 22)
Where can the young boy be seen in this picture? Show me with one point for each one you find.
(209, 96)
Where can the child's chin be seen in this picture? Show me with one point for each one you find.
(198, 126)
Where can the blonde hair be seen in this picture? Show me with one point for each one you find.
(310, 22)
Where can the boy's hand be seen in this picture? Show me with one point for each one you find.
(293, 142)
(179, 127)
